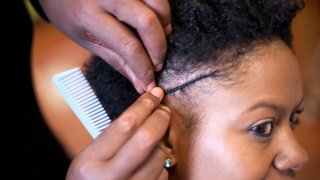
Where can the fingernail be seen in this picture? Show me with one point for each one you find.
(151, 86)
(168, 29)
(158, 67)
(139, 90)
(158, 92)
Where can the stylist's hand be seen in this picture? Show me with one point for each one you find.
(128, 148)
(97, 25)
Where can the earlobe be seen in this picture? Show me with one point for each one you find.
(170, 160)
(168, 163)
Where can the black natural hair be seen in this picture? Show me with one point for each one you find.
(209, 36)
(114, 91)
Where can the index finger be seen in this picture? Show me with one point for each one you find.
(118, 133)
(148, 25)
(162, 9)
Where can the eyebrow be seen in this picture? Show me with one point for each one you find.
(274, 106)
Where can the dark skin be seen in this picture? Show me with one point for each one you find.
(246, 130)
(105, 28)
(243, 131)
(135, 154)
(128, 148)
(99, 26)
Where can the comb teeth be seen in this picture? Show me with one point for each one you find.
(79, 95)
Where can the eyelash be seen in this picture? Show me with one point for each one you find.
(294, 119)
(265, 128)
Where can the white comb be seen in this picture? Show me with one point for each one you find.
(79, 95)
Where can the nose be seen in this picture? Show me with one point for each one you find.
(292, 156)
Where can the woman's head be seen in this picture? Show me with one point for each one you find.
(212, 35)
(233, 85)
(246, 130)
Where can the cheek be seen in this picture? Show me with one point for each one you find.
(223, 153)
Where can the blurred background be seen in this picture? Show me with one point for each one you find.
(53, 53)
(306, 31)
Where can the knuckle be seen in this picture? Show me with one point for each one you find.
(148, 138)
(83, 169)
(147, 19)
(147, 102)
(82, 15)
(146, 75)
(127, 124)
(132, 47)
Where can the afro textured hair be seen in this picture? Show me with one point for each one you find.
(203, 32)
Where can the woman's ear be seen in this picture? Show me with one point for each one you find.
(170, 139)
(176, 134)
(167, 147)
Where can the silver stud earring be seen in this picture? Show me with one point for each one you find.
(168, 163)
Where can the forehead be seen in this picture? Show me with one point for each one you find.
(269, 73)
(273, 69)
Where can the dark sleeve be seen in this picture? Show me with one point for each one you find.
(37, 7)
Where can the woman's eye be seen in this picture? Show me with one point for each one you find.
(263, 129)
(294, 119)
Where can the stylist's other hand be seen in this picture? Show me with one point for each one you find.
(100, 27)
(128, 148)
